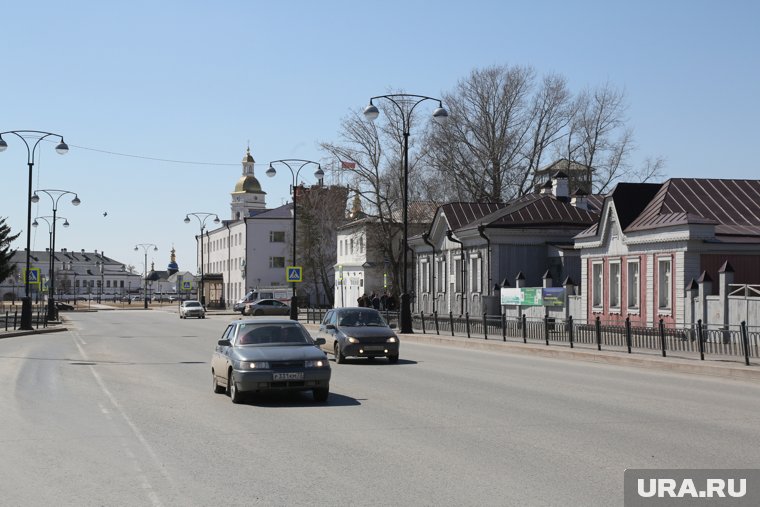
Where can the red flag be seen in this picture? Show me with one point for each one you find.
(347, 165)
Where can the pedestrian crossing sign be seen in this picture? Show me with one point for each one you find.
(187, 285)
(294, 273)
(32, 276)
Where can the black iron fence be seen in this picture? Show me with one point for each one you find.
(737, 342)
(10, 320)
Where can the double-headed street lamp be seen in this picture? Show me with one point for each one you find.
(62, 149)
(405, 103)
(55, 196)
(202, 217)
(319, 174)
(50, 221)
(145, 247)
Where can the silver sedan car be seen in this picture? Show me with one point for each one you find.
(263, 355)
(192, 309)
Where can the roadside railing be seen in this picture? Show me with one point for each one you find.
(734, 342)
(10, 320)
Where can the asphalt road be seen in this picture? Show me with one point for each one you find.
(120, 411)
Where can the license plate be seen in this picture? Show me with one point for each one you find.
(373, 348)
(288, 376)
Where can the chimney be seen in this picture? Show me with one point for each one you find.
(560, 187)
(579, 199)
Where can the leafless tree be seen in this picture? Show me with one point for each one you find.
(321, 211)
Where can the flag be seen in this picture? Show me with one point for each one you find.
(347, 165)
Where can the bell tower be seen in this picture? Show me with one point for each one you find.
(247, 195)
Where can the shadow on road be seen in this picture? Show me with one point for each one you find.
(298, 399)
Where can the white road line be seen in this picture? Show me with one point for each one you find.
(145, 483)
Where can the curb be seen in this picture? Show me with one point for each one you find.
(13, 334)
(673, 365)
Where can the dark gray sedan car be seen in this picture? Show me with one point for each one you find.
(266, 307)
(359, 332)
(262, 355)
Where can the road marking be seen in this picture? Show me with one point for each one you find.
(142, 477)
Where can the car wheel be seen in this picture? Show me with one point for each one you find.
(393, 359)
(235, 395)
(257, 313)
(320, 395)
(203, 316)
(217, 388)
(339, 357)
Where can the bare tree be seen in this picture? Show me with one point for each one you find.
(321, 211)
(375, 148)
(481, 147)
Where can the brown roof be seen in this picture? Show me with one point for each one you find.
(539, 210)
(459, 214)
(732, 205)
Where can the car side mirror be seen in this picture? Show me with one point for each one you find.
(320, 341)
(330, 326)
(392, 326)
(224, 343)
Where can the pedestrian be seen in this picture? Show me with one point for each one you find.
(375, 301)
(360, 301)
(384, 301)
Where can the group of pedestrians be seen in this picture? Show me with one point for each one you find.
(382, 302)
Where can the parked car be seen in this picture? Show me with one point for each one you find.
(192, 309)
(269, 355)
(239, 306)
(266, 307)
(359, 332)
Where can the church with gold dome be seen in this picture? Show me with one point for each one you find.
(253, 247)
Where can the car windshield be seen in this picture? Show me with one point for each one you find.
(354, 318)
(192, 303)
(276, 334)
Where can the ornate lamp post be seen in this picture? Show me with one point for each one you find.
(62, 148)
(405, 104)
(202, 217)
(55, 196)
(319, 174)
(145, 247)
(50, 221)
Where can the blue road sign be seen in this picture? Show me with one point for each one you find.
(294, 273)
(33, 276)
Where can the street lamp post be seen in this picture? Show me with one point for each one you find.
(102, 269)
(62, 149)
(145, 247)
(405, 104)
(55, 196)
(319, 174)
(50, 221)
(202, 216)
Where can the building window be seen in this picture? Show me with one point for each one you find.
(615, 285)
(425, 276)
(361, 244)
(457, 266)
(633, 285)
(596, 279)
(277, 262)
(277, 236)
(664, 287)
(441, 275)
(475, 275)
(351, 246)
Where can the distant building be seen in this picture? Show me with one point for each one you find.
(76, 273)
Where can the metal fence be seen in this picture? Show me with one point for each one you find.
(10, 319)
(735, 342)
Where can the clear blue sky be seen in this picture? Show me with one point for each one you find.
(195, 81)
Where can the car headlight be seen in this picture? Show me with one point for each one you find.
(254, 365)
(318, 363)
(392, 339)
(351, 339)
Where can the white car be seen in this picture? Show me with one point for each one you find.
(192, 309)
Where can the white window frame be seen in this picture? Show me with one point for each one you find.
(476, 284)
(597, 285)
(271, 262)
(441, 275)
(272, 238)
(665, 280)
(614, 284)
(424, 275)
(633, 290)
(456, 267)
